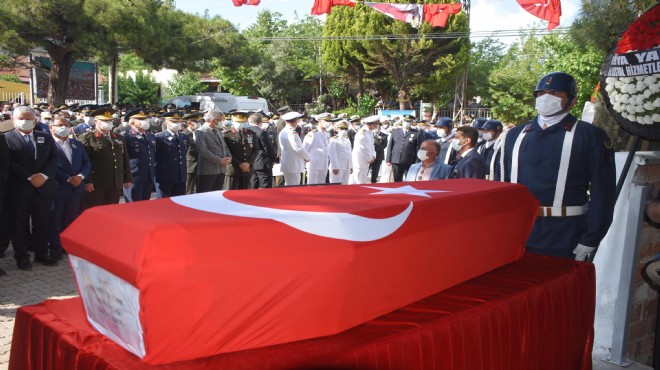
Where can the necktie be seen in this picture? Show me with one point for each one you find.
(30, 146)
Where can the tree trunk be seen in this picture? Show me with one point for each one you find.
(361, 80)
(112, 81)
(58, 78)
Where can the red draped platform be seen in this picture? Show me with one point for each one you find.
(536, 313)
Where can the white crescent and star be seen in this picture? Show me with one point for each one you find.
(344, 226)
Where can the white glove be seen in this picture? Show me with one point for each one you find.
(582, 251)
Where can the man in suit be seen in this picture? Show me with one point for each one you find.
(213, 156)
(111, 171)
(402, 148)
(32, 187)
(241, 143)
(73, 166)
(171, 148)
(141, 148)
(192, 124)
(4, 171)
(469, 163)
(380, 143)
(294, 156)
(431, 166)
(262, 176)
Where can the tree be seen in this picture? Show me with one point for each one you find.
(10, 78)
(186, 83)
(141, 90)
(485, 55)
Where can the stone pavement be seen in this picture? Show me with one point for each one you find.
(19, 288)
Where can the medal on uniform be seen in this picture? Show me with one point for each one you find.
(40, 140)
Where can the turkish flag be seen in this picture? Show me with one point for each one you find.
(246, 2)
(437, 14)
(192, 276)
(549, 10)
(325, 6)
(409, 13)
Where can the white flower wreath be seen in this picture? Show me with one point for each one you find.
(637, 99)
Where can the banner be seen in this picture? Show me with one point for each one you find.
(82, 85)
(636, 63)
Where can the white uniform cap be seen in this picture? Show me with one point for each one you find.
(291, 116)
(371, 119)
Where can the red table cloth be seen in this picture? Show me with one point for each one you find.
(193, 276)
(536, 313)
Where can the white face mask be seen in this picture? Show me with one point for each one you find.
(62, 131)
(174, 127)
(106, 126)
(548, 105)
(144, 124)
(422, 155)
(264, 125)
(406, 125)
(88, 120)
(237, 125)
(456, 144)
(488, 136)
(24, 124)
(441, 133)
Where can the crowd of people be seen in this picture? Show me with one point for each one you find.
(58, 161)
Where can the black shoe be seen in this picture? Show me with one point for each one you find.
(3, 272)
(47, 261)
(24, 264)
(57, 256)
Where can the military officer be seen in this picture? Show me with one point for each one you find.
(364, 152)
(402, 148)
(354, 122)
(380, 143)
(242, 146)
(490, 150)
(294, 156)
(478, 124)
(111, 169)
(193, 121)
(171, 149)
(86, 119)
(141, 147)
(568, 165)
(262, 176)
(316, 145)
(339, 154)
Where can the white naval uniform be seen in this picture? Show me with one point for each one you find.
(316, 144)
(292, 162)
(339, 152)
(364, 153)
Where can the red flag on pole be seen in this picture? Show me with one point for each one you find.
(549, 10)
(437, 14)
(324, 6)
(409, 13)
(246, 2)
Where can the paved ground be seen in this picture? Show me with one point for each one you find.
(20, 288)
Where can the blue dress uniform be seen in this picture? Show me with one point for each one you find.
(141, 149)
(402, 151)
(171, 152)
(590, 182)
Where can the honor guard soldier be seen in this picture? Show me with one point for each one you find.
(141, 147)
(86, 119)
(443, 130)
(241, 143)
(490, 150)
(193, 122)
(171, 149)
(478, 124)
(568, 165)
(402, 148)
(111, 171)
(364, 152)
(339, 154)
(316, 145)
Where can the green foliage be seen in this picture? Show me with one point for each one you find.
(131, 62)
(143, 90)
(366, 104)
(338, 89)
(186, 83)
(318, 106)
(10, 78)
(485, 55)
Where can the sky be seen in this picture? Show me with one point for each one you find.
(486, 15)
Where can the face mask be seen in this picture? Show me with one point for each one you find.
(237, 125)
(481, 134)
(62, 131)
(144, 124)
(441, 133)
(88, 120)
(422, 155)
(24, 124)
(456, 144)
(488, 136)
(106, 126)
(548, 105)
(175, 127)
(264, 126)
(406, 125)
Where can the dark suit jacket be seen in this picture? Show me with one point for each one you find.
(79, 164)
(402, 147)
(380, 143)
(4, 167)
(470, 166)
(266, 153)
(23, 164)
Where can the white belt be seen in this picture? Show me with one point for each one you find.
(562, 211)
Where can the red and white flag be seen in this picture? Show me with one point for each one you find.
(409, 13)
(549, 10)
(437, 14)
(325, 6)
(246, 2)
